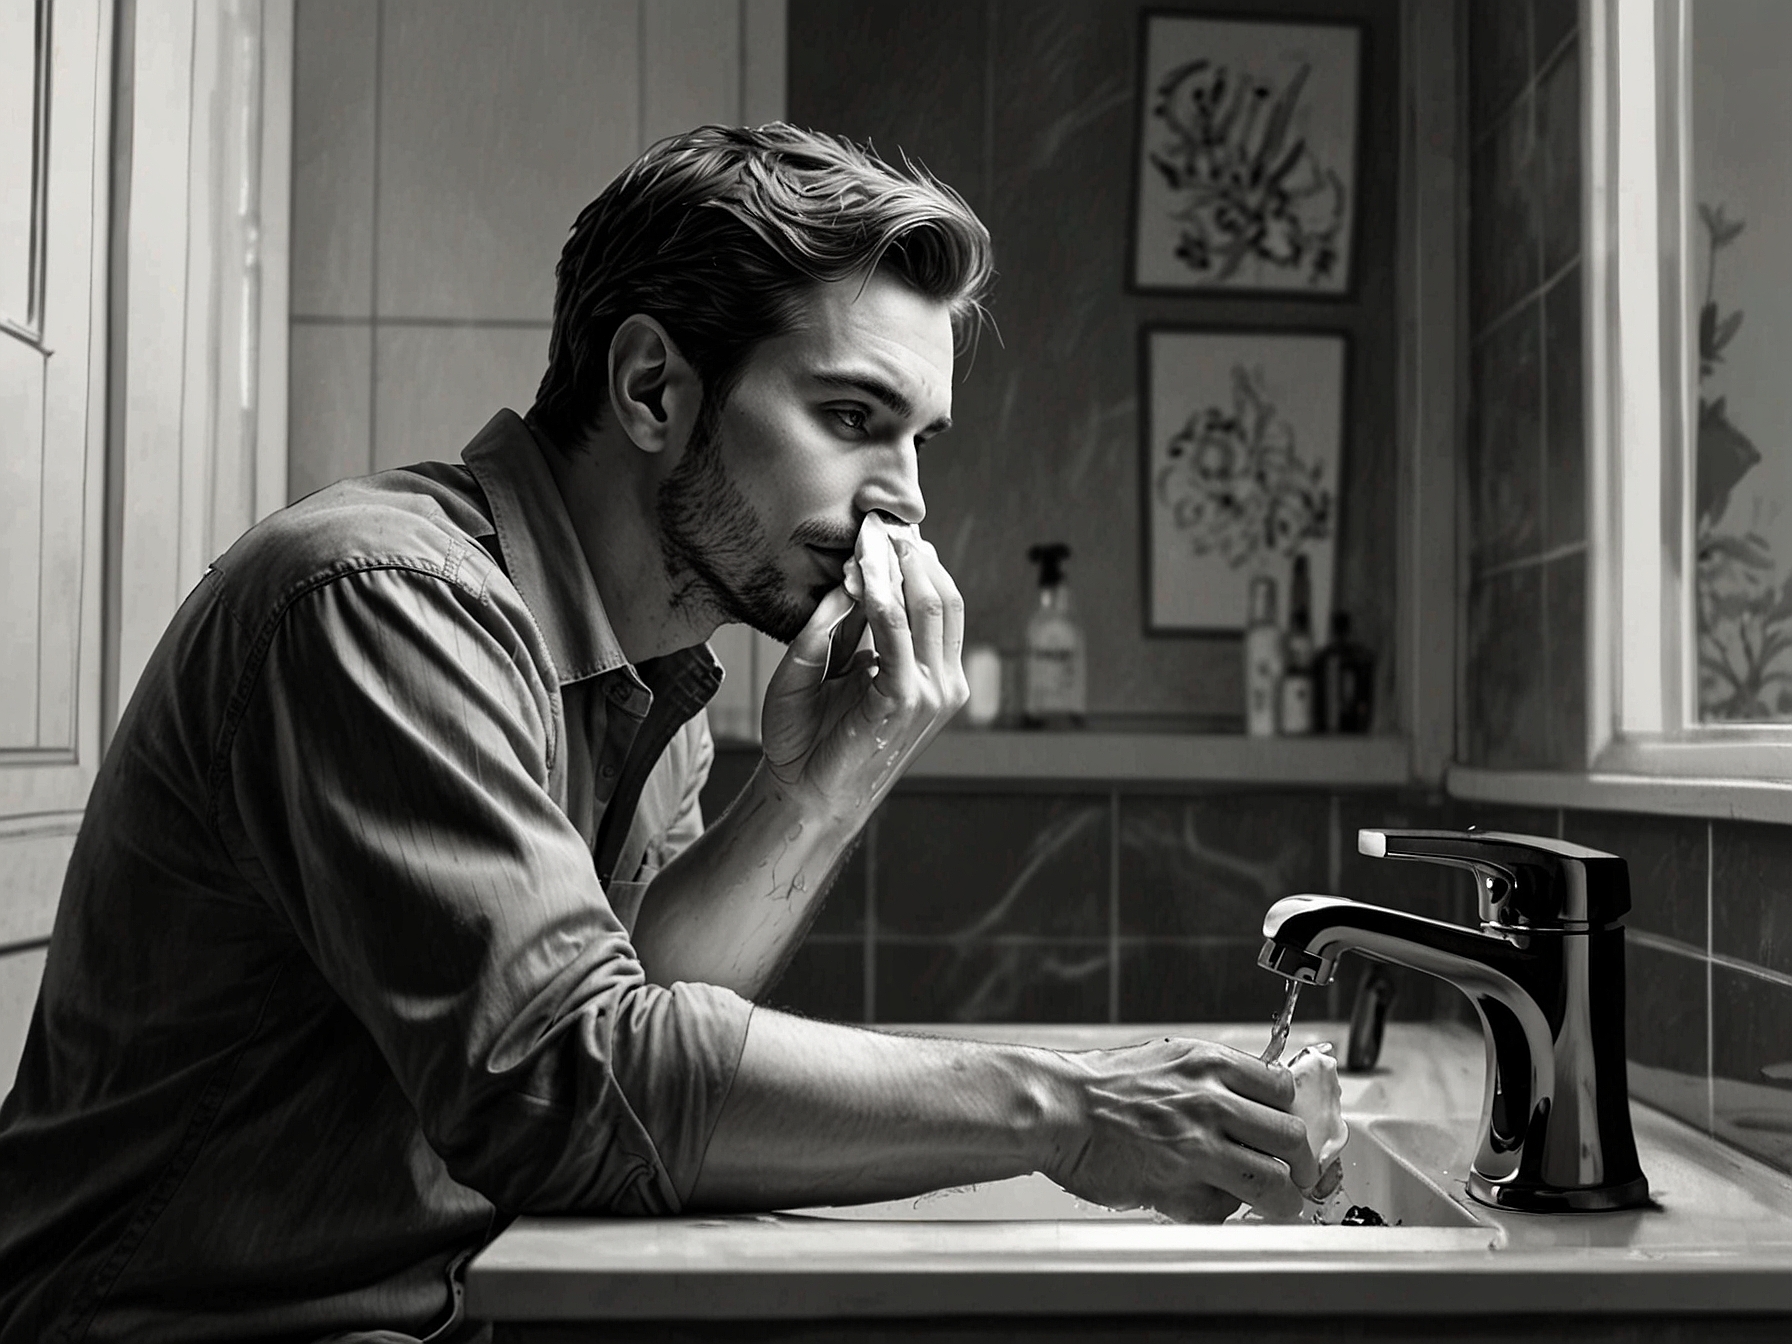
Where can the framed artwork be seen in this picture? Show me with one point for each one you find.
(1247, 156)
(1243, 432)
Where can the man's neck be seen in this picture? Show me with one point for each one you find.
(611, 504)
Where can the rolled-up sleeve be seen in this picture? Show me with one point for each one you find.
(385, 783)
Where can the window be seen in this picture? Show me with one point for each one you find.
(1689, 213)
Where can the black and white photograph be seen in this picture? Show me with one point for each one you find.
(885, 671)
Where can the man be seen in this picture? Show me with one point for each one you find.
(394, 914)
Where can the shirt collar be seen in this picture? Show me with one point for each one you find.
(543, 557)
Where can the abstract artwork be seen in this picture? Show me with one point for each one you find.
(1247, 155)
(1243, 435)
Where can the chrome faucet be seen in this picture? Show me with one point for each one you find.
(1546, 974)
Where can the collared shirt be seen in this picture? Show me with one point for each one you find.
(341, 976)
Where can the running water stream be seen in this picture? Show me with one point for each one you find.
(1278, 1035)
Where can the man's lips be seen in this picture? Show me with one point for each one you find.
(832, 559)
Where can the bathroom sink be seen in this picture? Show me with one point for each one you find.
(1387, 1166)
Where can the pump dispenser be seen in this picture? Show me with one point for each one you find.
(1056, 682)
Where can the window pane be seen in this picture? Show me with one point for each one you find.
(1740, 253)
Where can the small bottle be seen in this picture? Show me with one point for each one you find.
(1295, 711)
(1056, 681)
(1344, 682)
(983, 674)
(1262, 659)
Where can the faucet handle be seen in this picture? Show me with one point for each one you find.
(1525, 881)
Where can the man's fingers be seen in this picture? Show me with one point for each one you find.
(1260, 1181)
(885, 608)
(925, 605)
(845, 641)
(954, 600)
(806, 662)
(1249, 1076)
(1275, 1134)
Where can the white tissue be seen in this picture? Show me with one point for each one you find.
(1319, 1101)
(871, 530)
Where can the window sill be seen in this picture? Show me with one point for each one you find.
(1611, 791)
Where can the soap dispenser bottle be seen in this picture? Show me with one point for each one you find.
(1056, 683)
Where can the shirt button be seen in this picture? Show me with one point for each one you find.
(608, 772)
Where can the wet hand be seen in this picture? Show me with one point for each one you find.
(841, 723)
(1190, 1129)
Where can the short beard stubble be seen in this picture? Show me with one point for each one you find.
(715, 549)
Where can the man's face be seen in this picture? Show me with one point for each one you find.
(763, 507)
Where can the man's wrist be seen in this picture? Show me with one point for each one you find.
(1055, 1104)
(840, 817)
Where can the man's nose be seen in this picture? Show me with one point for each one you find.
(895, 492)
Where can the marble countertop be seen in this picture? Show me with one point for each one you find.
(1718, 1239)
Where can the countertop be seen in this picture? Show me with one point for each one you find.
(1718, 1240)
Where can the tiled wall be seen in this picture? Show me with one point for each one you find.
(1710, 943)
(432, 139)
(1088, 903)
(1030, 108)
(1524, 558)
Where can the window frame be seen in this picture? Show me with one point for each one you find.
(1642, 411)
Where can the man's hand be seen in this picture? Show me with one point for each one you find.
(839, 727)
(1190, 1129)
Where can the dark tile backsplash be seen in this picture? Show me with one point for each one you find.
(1565, 659)
(825, 979)
(1214, 980)
(1667, 861)
(1500, 39)
(1524, 478)
(1504, 483)
(1507, 692)
(979, 867)
(1008, 981)
(1504, 186)
(1564, 408)
(1558, 149)
(1751, 890)
(1551, 23)
(1665, 1030)
(1212, 863)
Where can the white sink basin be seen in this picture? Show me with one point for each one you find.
(1384, 1169)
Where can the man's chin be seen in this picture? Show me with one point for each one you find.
(784, 617)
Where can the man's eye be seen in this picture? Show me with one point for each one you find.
(850, 416)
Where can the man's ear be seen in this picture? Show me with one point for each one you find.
(654, 392)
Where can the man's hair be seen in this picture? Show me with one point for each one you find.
(720, 235)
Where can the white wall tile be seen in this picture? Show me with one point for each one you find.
(333, 94)
(498, 123)
(329, 400)
(691, 65)
(764, 64)
(734, 713)
(437, 386)
(20, 975)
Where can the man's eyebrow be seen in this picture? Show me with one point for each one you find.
(877, 389)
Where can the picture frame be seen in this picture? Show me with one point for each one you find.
(1242, 442)
(1247, 154)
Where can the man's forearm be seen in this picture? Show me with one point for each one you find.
(826, 1114)
(730, 908)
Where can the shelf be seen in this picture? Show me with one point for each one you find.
(1164, 758)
